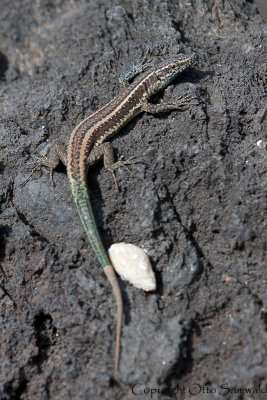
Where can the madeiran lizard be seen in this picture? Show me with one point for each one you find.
(85, 147)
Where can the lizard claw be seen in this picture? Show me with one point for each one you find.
(184, 102)
(119, 164)
(28, 177)
(41, 162)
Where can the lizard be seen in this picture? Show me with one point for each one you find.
(87, 144)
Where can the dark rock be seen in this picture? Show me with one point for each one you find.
(197, 202)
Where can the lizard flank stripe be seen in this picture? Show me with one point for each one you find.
(103, 124)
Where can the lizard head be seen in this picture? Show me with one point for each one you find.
(170, 68)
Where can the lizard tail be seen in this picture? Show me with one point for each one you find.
(81, 198)
(110, 273)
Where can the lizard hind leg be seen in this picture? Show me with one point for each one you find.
(57, 154)
(105, 151)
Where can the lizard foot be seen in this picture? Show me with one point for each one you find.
(40, 162)
(121, 163)
(183, 102)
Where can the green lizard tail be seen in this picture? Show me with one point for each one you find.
(81, 198)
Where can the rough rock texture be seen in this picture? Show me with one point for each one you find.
(197, 203)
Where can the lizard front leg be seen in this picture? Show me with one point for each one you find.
(182, 103)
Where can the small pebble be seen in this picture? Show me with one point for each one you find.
(132, 264)
(261, 144)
